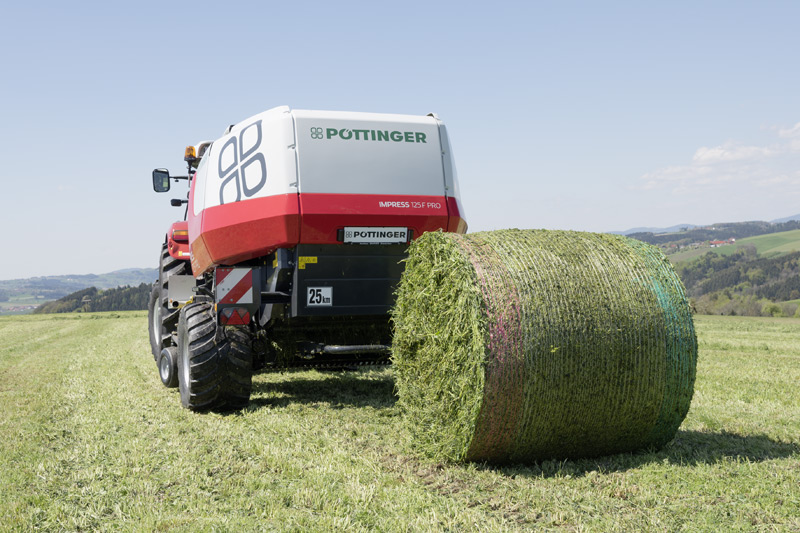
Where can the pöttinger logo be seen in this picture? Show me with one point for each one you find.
(346, 134)
(240, 153)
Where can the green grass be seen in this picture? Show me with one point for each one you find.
(92, 441)
(688, 255)
(771, 243)
(20, 300)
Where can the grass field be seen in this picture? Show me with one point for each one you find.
(92, 441)
(20, 304)
(766, 245)
(688, 255)
(771, 243)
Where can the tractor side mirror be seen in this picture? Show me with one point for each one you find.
(161, 180)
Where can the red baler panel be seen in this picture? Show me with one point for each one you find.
(230, 233)
(324, 214)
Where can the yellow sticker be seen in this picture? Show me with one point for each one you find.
(303, 259)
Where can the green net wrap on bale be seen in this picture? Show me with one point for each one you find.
(520, 345)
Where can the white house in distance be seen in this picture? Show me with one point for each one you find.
(716, 244)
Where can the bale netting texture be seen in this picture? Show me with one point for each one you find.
(522, 345)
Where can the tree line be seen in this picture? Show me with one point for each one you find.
(124, 298)
(722, 232)
(743, 283)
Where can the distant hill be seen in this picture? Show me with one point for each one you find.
(23, 295)
(671, 229)
(743, 283)
(72, 282)
(92, 300)
(737, 268)
(769, 244)
(683, 227)
(717, 232)
(785, 219)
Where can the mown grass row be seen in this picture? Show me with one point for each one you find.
(92, 441)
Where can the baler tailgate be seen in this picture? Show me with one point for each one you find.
(346, 279)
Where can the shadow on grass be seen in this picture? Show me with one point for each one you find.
(689, 448)
(335, 389)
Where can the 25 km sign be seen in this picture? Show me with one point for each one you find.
(319, 297)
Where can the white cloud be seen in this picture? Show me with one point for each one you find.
(794, 131)
(782, 180)
(731, 152)
(734, 166)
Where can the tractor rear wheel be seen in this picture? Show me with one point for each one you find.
(155, 326)
(168, 266)
(215, 363)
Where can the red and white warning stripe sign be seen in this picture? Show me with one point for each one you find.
(234, 285)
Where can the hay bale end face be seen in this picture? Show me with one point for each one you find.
(520, 345)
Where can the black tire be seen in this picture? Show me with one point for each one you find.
(215, 363)
(167, 266)
(168, 367)
(154, 324)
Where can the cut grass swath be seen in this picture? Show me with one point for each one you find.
(520, 345)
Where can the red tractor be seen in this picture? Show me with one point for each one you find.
(296, 226)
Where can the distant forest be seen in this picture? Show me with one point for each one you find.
(92, 299)
(743, 283)
(722, 232)
(49, 288)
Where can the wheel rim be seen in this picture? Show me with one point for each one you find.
(164, 368)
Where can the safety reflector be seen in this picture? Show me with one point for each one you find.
(234, 285)
(234, 316)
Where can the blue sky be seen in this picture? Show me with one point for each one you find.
(596, 116)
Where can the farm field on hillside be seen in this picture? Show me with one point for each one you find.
(20, 305)
(766, 245)
(92, 440)
(688, 255)
(771, 243)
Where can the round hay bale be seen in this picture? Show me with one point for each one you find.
(520, 345)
